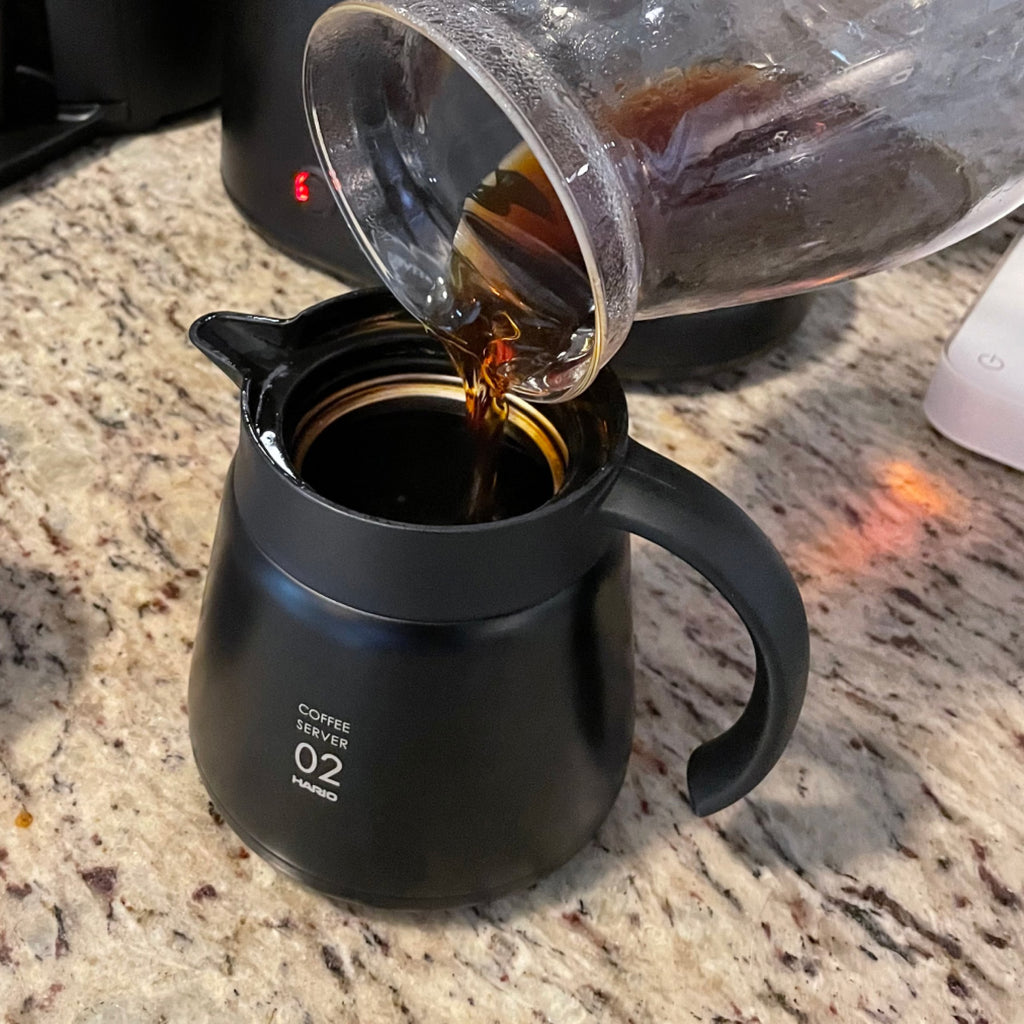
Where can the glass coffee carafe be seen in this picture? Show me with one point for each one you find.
(541, 173)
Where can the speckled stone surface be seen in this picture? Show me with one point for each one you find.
(877, 875)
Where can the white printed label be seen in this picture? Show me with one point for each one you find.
(315, 769)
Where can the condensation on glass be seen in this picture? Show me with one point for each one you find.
(703, 154)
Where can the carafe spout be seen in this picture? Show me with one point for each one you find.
(243, 346)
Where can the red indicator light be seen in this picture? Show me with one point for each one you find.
(300, 186)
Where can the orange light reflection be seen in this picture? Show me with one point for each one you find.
(916, 489)
(889, 520)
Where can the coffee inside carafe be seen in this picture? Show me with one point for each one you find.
(400, 449)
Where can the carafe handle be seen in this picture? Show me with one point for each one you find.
(659, 500)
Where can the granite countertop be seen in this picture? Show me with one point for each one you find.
(876, 876)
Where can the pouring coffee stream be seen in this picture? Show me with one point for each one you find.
(517, 295)
(516, 306)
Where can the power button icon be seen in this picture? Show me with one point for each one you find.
(990, 361)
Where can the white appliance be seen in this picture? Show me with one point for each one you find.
(976, 397)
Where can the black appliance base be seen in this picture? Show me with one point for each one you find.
(677, 347)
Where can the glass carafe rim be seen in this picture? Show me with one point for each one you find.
(570, 149)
